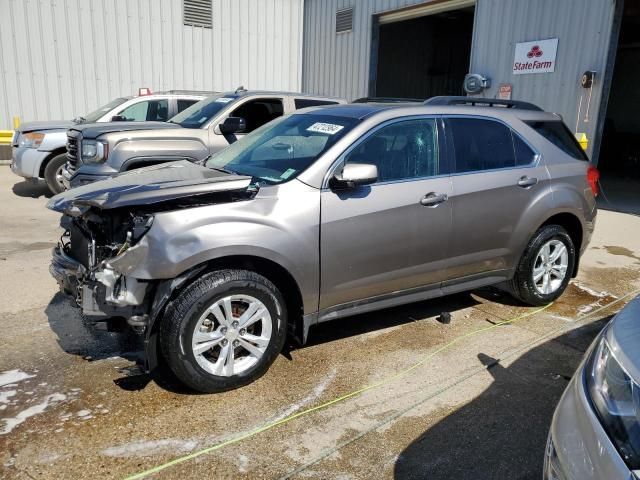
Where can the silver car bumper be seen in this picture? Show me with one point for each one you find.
(26, 162)
(578, 447)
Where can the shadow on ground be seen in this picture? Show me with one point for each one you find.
(503, 432)
(391, 317)
(30, 189)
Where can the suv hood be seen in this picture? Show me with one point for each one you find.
(94, 130)
(43, 126)
(146, 186)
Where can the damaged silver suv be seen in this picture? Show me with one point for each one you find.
(321, 214)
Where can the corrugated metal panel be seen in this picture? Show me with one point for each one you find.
(583, 29)
(63, 58)
(339, 64)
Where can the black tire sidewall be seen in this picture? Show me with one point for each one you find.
(50, 173)
(180, 356)
(528, 291)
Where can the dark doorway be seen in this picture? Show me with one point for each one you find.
(425, 56)
(619, 160)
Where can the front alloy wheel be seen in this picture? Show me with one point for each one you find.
(224, 330)
(232, 335)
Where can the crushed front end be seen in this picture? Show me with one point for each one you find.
(80, 264)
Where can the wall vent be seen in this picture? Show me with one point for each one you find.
(197, 13)
(344, 20)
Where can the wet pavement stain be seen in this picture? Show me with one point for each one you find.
(11, 248)
(617, 250)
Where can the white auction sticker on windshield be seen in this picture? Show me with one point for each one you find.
(328, 128)
(224, 100)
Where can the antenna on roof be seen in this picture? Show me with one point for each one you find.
(240, 89)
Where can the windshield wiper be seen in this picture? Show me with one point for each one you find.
(79, 120)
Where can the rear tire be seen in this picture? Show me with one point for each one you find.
(208, 343)
(545, 268)
(53, 173)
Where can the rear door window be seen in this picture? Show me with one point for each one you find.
(558, 134)
(524, 153)
(258, 112)
(481, 144)
(311, 102)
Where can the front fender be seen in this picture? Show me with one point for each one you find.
(273, 228)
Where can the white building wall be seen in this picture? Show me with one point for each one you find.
(63, 58)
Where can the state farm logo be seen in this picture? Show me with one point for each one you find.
(538, 56)
(534, 52)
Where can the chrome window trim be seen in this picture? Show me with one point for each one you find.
(537, 154)
(338, 161)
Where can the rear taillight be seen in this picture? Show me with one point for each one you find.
(593, 176)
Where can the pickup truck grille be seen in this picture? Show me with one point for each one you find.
(73, 141)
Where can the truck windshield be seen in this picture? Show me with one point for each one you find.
(199, 114)
(283, 148)
(95, 115)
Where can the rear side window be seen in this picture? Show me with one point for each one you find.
(558, 134)
(307, 102)
(481, 144)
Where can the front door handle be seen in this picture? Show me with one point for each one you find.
(433, 199)
(526, 182)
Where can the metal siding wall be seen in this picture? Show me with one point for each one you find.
(338, 64)
(583, 29)
(63, 58)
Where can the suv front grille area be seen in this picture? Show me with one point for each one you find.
(73, 143)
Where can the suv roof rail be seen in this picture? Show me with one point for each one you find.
(489, 102)
(388, 100)
(188, 92)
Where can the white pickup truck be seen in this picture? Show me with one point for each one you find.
(39, 148)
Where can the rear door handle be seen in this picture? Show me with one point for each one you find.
(526, 182)
(433, 199)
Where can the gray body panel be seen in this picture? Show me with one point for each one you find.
(582, 446)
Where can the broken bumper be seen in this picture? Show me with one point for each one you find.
(68, 272)
(101, 293)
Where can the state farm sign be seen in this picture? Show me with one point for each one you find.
(535, 57)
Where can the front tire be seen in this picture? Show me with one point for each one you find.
(53, 173)
(546, 266)
(224, 330)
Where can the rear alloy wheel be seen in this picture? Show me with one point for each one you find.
(546, 266)
(53, 173)
(224, 330)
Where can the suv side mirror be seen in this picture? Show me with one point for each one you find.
(118, 118)
(233, 125)
(354, 174)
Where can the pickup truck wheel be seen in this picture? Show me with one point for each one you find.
(224, 330)
(545, 268)
(53, 173)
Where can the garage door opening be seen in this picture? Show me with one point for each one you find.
(619, 160)
(425, 56)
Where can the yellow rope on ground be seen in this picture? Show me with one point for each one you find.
(354, 393)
